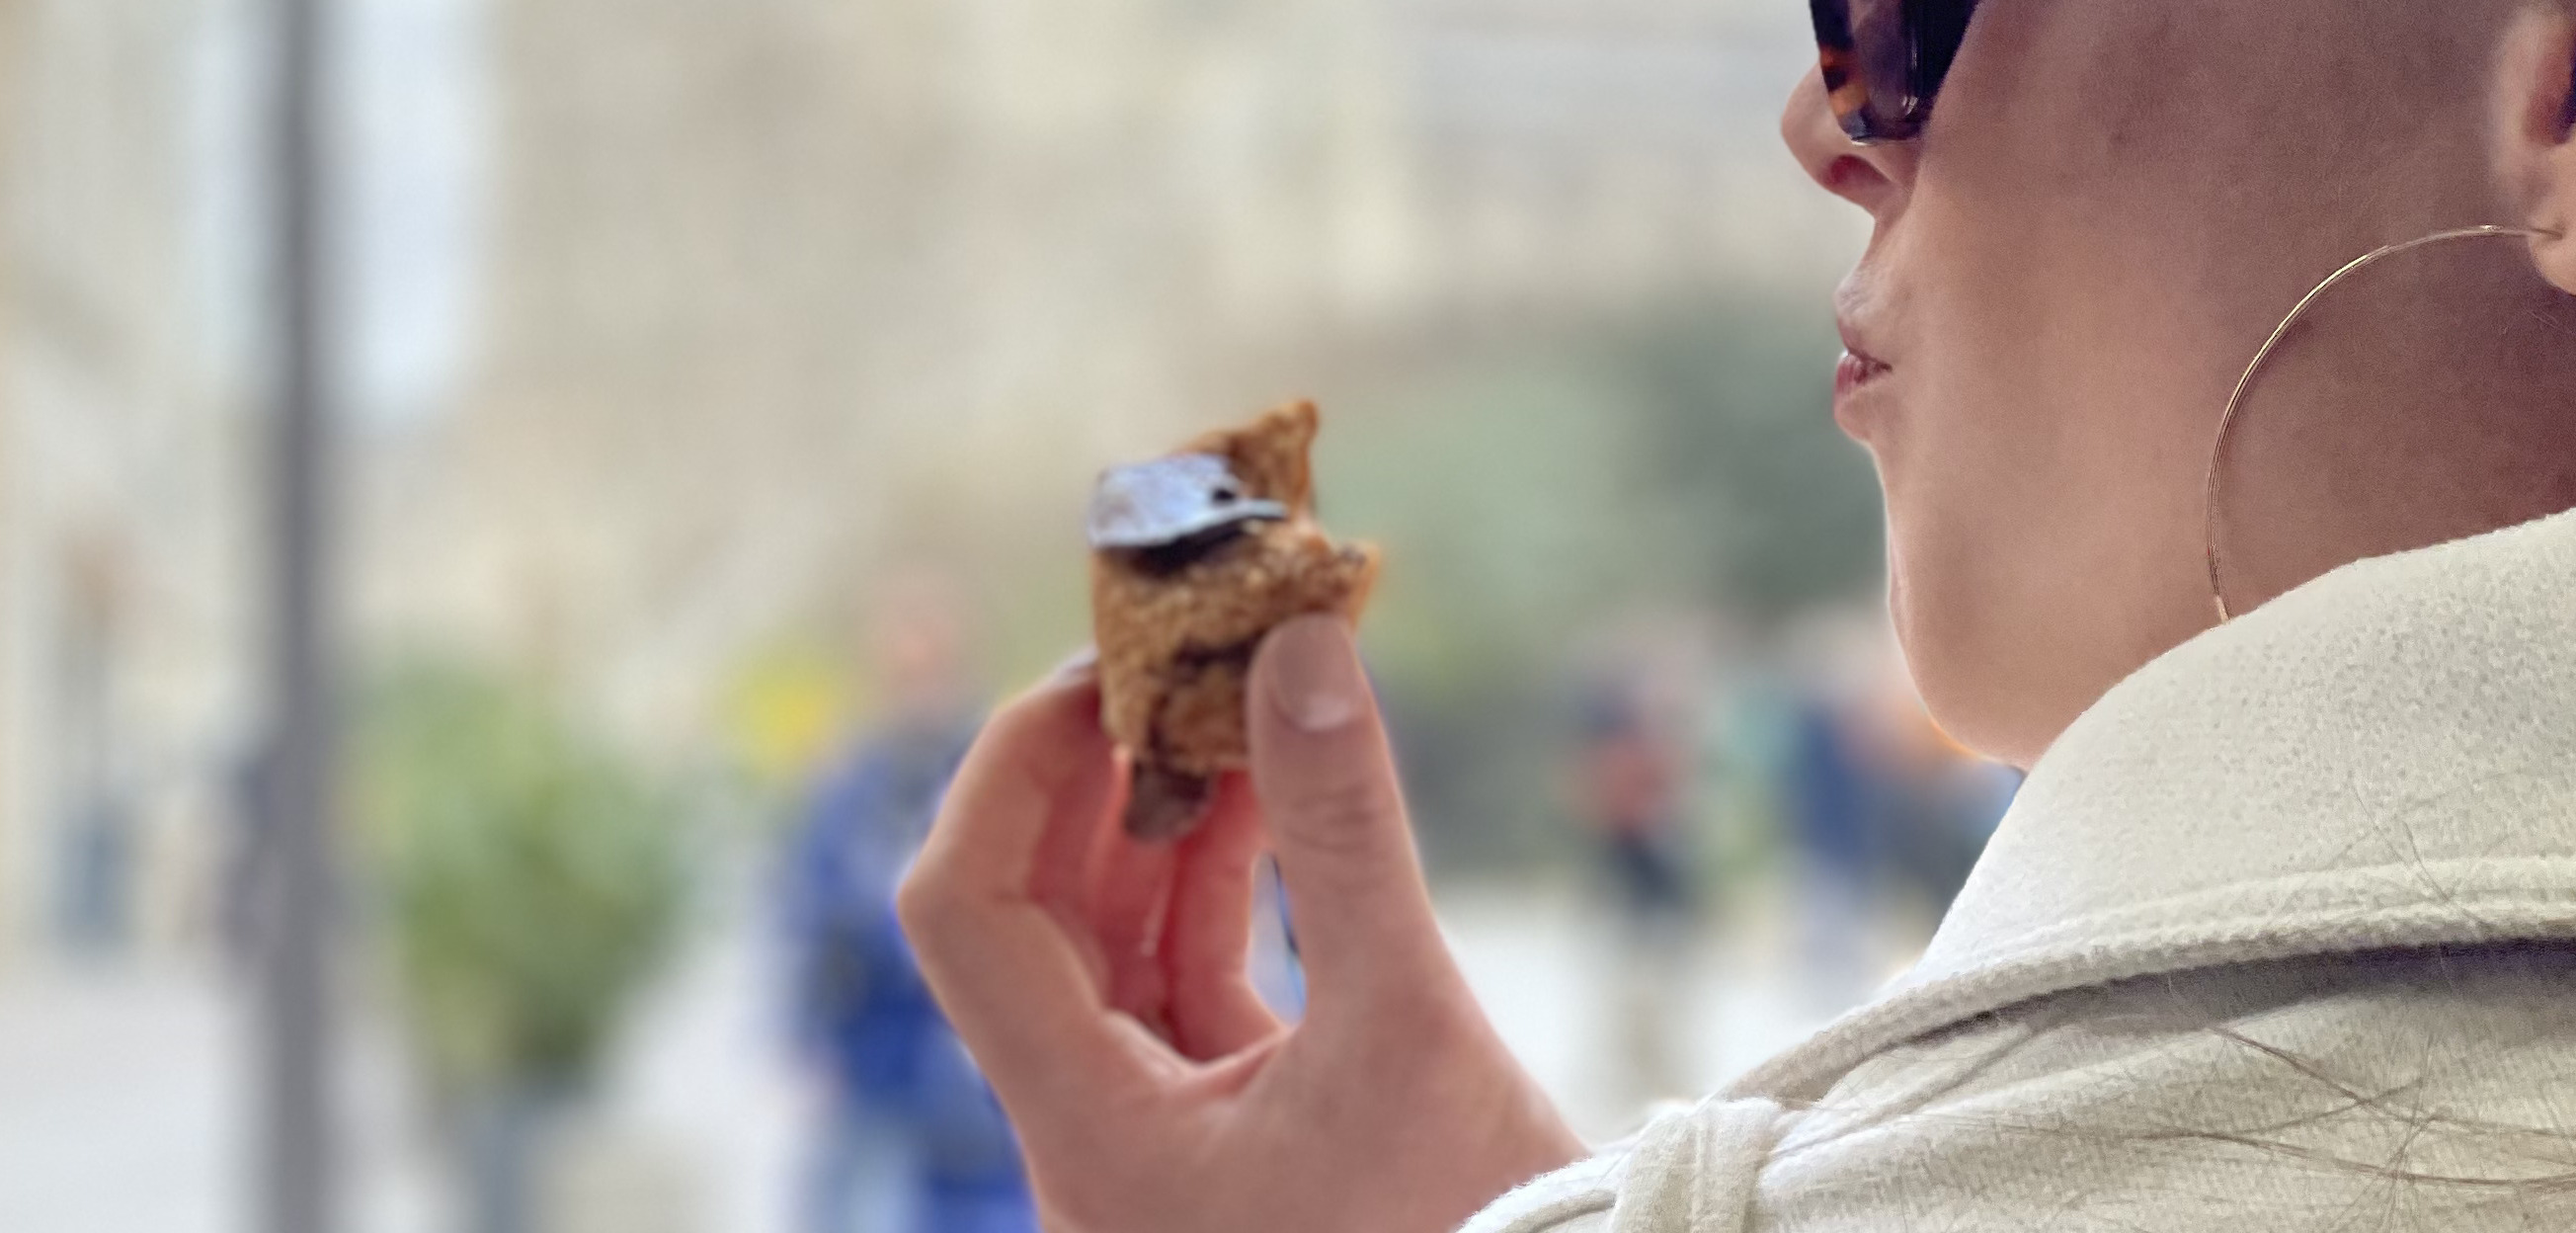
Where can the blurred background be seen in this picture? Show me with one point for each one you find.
(708, 397)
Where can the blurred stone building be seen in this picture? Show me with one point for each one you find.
(123, 485)
(775, 294)
(782, 290)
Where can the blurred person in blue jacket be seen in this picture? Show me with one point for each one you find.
(1831, 805)
(1887, 812)
(1938, 803)
(913, 1141)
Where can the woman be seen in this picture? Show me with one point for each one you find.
(2276, 936)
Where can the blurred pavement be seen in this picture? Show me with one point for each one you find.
(121, 1098)
(1538, 962)
(124, 1108)
(119, 1103)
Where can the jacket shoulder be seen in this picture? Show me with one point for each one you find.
(2428, 1087)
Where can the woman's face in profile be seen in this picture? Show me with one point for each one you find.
(2113, 203)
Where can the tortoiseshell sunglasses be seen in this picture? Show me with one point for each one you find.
(1884, 60)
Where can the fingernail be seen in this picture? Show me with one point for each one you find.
(1316, 679)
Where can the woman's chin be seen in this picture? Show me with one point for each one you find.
(1963, 685)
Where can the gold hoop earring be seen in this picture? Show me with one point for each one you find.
(2227, 420)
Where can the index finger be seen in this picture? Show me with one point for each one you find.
(1016, 986)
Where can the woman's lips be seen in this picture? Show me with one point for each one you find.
(1855, 371)
(1855, 374)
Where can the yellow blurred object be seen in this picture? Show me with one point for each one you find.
(788, 706)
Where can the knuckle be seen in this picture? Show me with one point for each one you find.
(922, 904)
(1041, 716)
(1013, 720)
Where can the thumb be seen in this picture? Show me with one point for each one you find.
(1329, 796)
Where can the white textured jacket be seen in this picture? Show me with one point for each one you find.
(2281, 935)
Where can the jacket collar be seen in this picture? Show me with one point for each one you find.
(2384, 757)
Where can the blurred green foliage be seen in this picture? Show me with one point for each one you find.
(526, 879)
(1768, 509)
(1682, 460)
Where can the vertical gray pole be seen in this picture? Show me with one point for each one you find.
(296, 1061)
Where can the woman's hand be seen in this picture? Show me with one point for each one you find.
(1101, 983)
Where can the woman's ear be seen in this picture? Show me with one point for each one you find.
(2535, 113)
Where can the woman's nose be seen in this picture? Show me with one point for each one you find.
(1875, 178)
